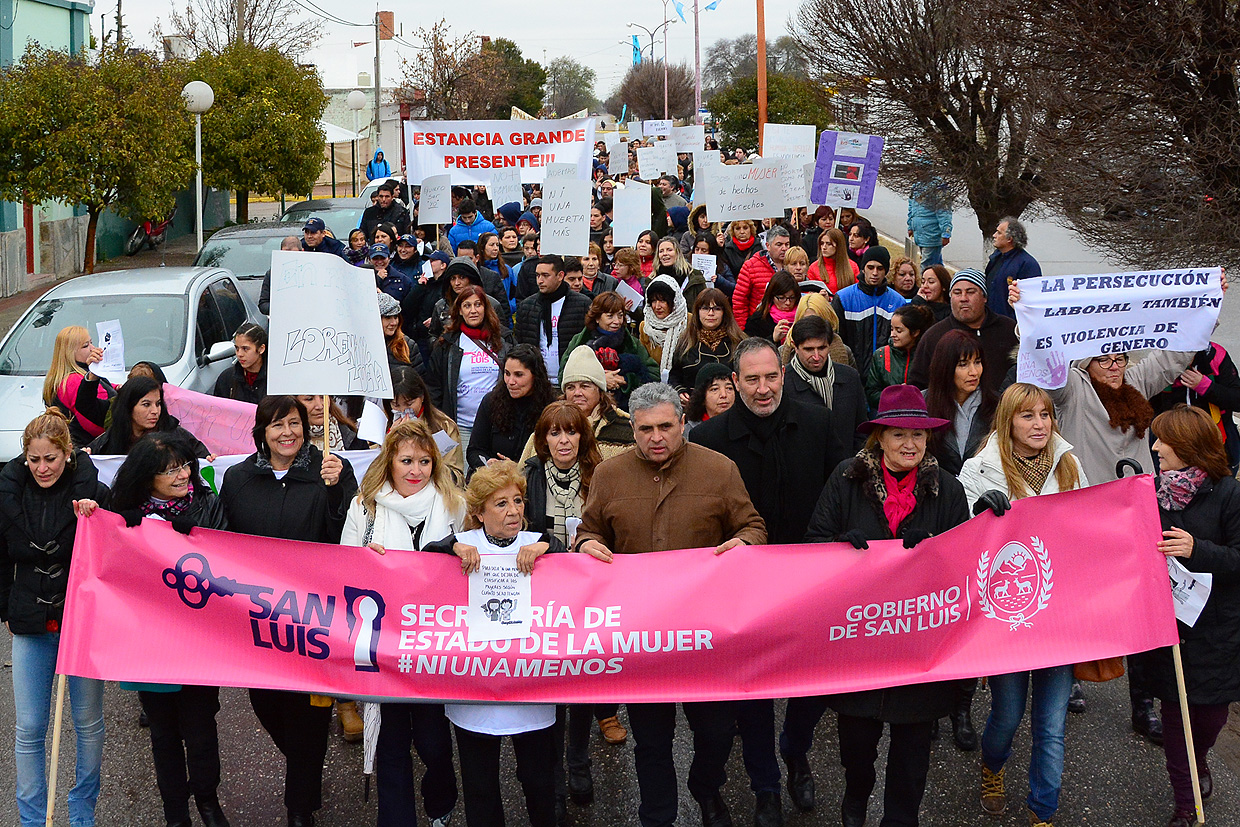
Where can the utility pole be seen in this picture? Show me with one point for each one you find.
(761, 72)
(378, 83)
(119, 28)
(240, 12)
(697, 66)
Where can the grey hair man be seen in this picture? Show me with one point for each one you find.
(1008, 263)
(668, 494)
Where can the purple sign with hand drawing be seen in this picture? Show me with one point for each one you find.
(846, 170)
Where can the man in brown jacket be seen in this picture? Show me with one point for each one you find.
(668, 494)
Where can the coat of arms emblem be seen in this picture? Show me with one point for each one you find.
(1015, 584)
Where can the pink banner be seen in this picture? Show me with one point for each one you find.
(1041, 586)
(223, 425)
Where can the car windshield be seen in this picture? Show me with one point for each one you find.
(339, 220)
(152, 326)
(246, 256)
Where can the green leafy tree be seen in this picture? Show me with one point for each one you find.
(570, 86)
(262, 134)
(111, 133)
(789, 100)
(524, 79)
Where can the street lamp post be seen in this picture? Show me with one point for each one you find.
(355, 101)
(651, 33)
(198, 99)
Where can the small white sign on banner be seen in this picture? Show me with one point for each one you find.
(112, 341)
(1063, 318)
(705, 262)
(658, 129)
(325, 336)
(557, 171)
(783, 140)
(500, 599)
(631, 205)
(435, 202)
(565, 217)
(505, 188)
(689, 138)
(746, 191)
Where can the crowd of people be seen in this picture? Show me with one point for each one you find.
(813, 390)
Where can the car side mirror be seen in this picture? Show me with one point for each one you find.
(218, 351)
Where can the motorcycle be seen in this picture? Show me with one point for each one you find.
(149, 232)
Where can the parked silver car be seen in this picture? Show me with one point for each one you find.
(180, 318)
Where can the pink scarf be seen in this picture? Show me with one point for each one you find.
(778, 315)
(900, 500)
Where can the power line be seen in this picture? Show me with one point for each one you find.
(309, 6)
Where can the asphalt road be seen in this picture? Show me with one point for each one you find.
(1111, 779)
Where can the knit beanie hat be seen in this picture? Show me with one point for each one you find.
(970, 275)
(583, 365)
(388, 306)
(709, 373)
(877, 252)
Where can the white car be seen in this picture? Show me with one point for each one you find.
(180, 318)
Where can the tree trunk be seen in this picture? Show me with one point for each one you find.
(88, 265)
(243, 206)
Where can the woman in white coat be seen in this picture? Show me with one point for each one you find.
(407, 500)
(1024, 456)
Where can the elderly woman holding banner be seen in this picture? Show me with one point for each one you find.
(1104, 410)
(1199, 502)
(1024, 456)
(892, 489)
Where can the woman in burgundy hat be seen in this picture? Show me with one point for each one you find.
(892, 489)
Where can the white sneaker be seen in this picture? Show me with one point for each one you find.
(443, 820)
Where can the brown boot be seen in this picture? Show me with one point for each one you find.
(613, 732)
(350, 721)
(1034, 821)
(994, 799)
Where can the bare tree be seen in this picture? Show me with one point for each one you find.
(1154, 175)
(642, 90)
(453, 77)
(210, 25)
(729, 59)
(957, 96)
(570, 86)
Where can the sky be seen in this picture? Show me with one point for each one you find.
(587, 31)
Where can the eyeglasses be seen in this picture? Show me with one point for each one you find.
(785, 299)
(172, 472)
(1110, 361)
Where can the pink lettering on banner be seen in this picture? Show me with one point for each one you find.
(994, 595)
(225, 426)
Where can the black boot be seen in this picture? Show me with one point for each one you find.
(852, 813)
(962, 728)
(934, 730)
(561, 811)
(179, 820)
(580, 785)
(800, 782)
(715, 811)
(300, 819)
(1076, 701)
(769, 811)
(212, 815)
(1145, 721)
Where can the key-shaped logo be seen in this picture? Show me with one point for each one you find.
(195, 584)
(365, 615)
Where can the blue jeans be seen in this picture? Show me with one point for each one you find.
(931, 255)
(1051, 688)
(34, 669)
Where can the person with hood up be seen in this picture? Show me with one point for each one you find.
(678, 217)
(698, 223)
(665, 320)
(864, 309)
(469, 224)
(461, 272)
(507, 215)
(378, 167)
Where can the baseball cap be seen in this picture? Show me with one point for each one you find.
(380, 251)
(407, 239)
(440, 255)
(315, 225)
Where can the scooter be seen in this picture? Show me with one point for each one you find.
(149, 232)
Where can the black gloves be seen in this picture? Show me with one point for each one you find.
(182, 523)
(996, 501)
(133, 517)
(856, 537)
(914, 536)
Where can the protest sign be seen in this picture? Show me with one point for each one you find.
(618, 160)
(745, 191)
(469, 150)
(631, 211)
(111, 340)
(505, 188)
(992, 596)
(633, 299)
(846, 170)
(689, 138)
(661, 128)
(648, 160)
(705, 262)
(212, 472)
(1073, 317)
(435, 200)
(611, 139)
(783, 140)
(792, 177)
(1189, 590)
(499, 595)
(559, 171)
(665, 152)
(635, 131)
(325, 334)
(566, 217)
(225, 426)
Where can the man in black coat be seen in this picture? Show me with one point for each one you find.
(386, 210)
(314, 239)
(551, 318)
(785, 451)
(996, 335)
(813, 378)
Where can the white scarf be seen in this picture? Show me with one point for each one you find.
(665, 332)
(425, 508)
(822, 385)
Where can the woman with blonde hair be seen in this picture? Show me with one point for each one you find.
(406, 500)
(670, 261)
(1024, 456)
(818, 304)
(70, 386)
(904, 277)
(833, 267)
(741, 244)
